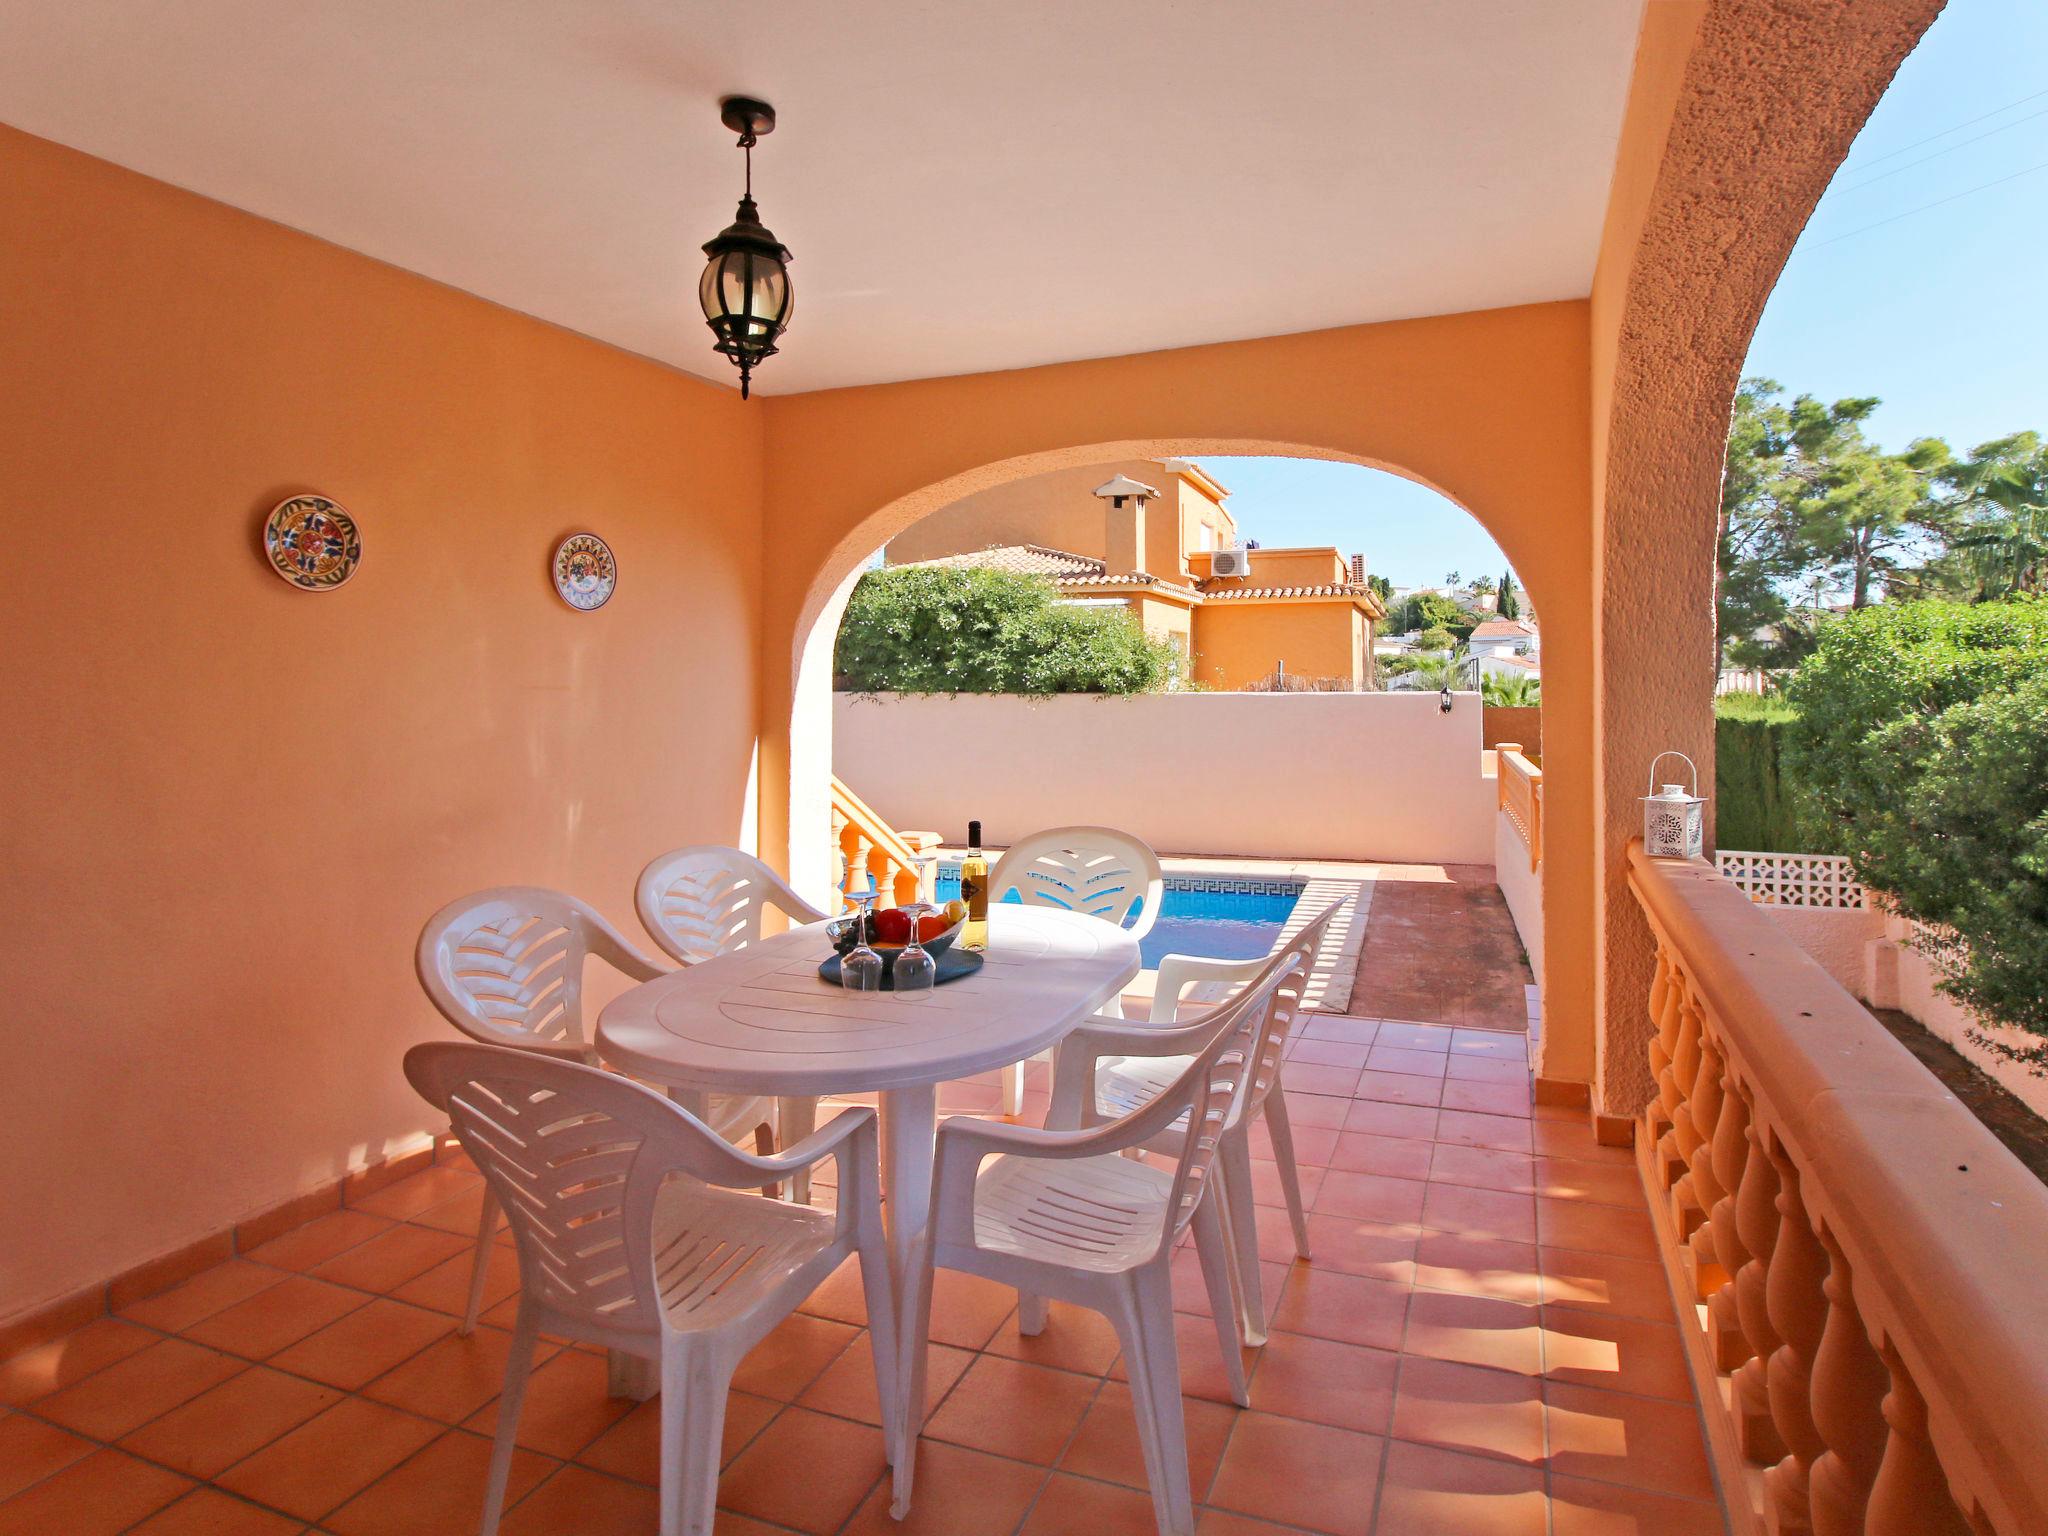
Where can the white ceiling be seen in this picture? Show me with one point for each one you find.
(966, 184)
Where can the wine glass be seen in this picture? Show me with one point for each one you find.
(916, 971)
(860, 968)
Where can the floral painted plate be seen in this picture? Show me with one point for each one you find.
(585, 573)
(312, 543)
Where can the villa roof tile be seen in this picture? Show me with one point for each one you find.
(1501, 629)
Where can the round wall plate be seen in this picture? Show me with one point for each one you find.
(312, 543)
(585, 573)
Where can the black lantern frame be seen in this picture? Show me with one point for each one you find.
(745, 291)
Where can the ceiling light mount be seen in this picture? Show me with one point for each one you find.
(745, 290)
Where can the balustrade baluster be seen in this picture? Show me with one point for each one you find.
(839, 864)
(857, 852)
(1847, 1395)
(1724, 1228)
(1799, 1314)
(1674, 1147)
(1663, 1014)
(1694, 1196)
(1910, 1496)
(1756, 1219)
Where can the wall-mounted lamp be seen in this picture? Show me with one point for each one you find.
(1443, 701)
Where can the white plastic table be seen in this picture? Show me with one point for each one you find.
(760, 1020)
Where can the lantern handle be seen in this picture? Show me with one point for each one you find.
(1683, 759)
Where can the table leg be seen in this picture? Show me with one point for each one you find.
(910, 1126)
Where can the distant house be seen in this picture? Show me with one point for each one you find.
(1506, 648)
(1155, 538)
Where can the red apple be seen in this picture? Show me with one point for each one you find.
(892, 926)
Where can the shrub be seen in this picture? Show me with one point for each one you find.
(944, 629)
(1754, 794)
(1921, 747)
(1436, 639)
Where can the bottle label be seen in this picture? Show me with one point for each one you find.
(974, 891)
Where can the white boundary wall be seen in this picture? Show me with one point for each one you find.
(1359, 776)
(1521, 887)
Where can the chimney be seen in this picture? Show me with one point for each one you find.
(1358, 570)
(1123, 512)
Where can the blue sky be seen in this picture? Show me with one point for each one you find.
(1940, 310)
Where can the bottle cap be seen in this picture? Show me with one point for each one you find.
(974, 834)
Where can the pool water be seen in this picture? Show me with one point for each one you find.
(1220, 919)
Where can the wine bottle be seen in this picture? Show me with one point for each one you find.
(974, 890)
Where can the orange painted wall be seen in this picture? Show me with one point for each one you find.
(1239, 643)
(1490, 408)
(229, 804)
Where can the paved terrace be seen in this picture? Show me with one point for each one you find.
(1483, 1343)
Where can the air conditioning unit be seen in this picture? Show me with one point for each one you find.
(1230, 562)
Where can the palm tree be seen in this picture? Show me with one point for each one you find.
(1452, 670)
(1511, 692)
(2003, 486)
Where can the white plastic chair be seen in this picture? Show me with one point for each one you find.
(631, 1236)
(1096, 870)
(706, 900)
(1059, 1214)
(505, 966)
(1128, 1065)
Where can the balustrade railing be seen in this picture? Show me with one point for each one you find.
(1793, 879)
(1871, 1336)
(1520, 787)
(866, 850)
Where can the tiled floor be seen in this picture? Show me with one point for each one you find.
(1441, 946)
(1482, 1345)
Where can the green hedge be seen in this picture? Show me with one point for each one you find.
(1754, 799)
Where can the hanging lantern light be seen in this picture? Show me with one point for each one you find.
(1674, 821)
(745, 287)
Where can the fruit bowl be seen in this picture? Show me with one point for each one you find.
(844, 934)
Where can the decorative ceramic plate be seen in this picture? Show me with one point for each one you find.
(312, 543)
(585, 573)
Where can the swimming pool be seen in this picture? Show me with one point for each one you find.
(1222, 919)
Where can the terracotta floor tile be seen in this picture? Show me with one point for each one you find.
(452, 1378)
(204, 1294)
(1505, 1133)
(1304, 1077)
(565, 1409)
(967, 1310)
(1601, 1183)
(1347, 1385)
(578, 1502)
(1477, 1266)
(235, 1419)
(1313, 1144)
(1621, 1354)
(445, 1287)
(367, 1342)
(1297, 1473)
(1400, 1088)
(328, 1459)
(105, 1492)
(1573, 1138)
(1333, 1026)
(1396, 1157)
(1595, 1228)
(1604, 1282)
(1191, 1295)
(1428, 1491)
(1475, 1330)
(1107, 1445)
(1416, 1123)
(391, 1258)
(275, 1318)
(31, 1450)
(1378, 1250)
(1469, 1212)
(1221, 1522)
(1369, 1197)
(209, 1512)
(1500, 1045)
(1582, 1508)
(1488, 1069)
(847, 1386)
(1482, 1168)
(303, 1247)
(419, 1192)
(840, 1460)
(1387, 1057)
(1009, 1408)
(958, 1493)
(1349, 1308)
(1317, 1109)
(1416, 1037)
(792, 1356)
(842, 1297)
(631, 1448)
(1513, 1099)
(47, 1368)
(1074, 1339)
(439, 1492)
(1327, 1053)
(1201, 1359)
(458, 1214)
(1639, 1441)
(1077, 1506)
(131, 1392)
(1266, 1190)
(1469, 1408)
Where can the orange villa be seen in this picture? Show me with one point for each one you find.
(407, 605)
(1301, 612)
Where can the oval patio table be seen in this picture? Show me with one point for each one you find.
(760, 1020)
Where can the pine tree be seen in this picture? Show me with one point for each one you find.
(1508, 605)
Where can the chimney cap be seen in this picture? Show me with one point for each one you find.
(1124, 485)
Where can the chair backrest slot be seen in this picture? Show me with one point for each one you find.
(1097, 871)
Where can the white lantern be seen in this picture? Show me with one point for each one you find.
(1674, 821)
